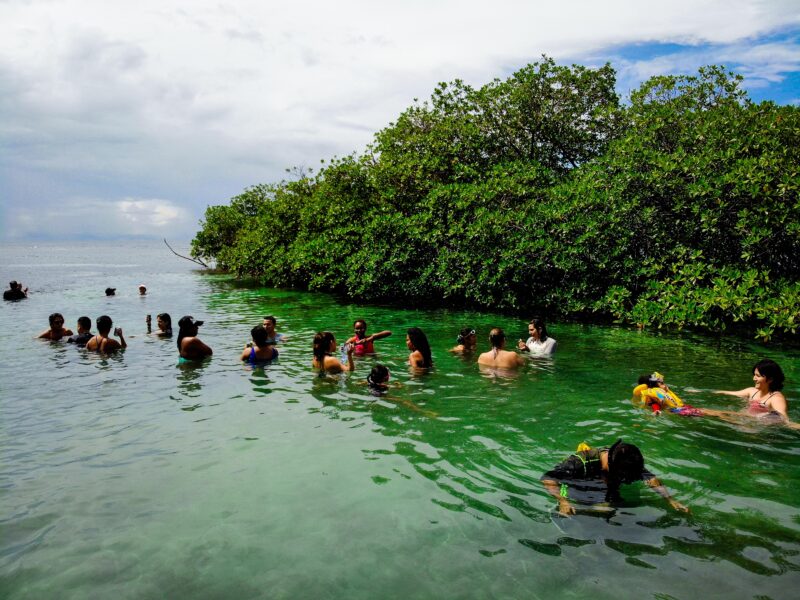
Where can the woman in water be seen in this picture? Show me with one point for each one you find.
(417, 342)
(189, 345)
(466, 341)
(498, 357)
(324, 346)
(164, 324)
(764, 399)
(260, 351)
(378, 380)
(539, 343)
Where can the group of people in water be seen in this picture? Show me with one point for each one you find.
(603, 469)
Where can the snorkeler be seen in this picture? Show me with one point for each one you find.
(363, 342)
(601, 470)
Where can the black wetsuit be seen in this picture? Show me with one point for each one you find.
(582, 478)
(80, 339)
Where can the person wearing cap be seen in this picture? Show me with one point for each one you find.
(142, 290)
(16, 292)
(593, 476)
(189, 345)
(111, 291)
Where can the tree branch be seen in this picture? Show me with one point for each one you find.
(194, 260)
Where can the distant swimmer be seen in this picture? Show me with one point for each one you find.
(259, 352)
(592, 476)
(189, 345)
(538, 343)
(323, 347)
(102, 342)
(498, 356)
(15, 291)
(362, 342)
(84, 332)
(111, 291)
(57, 329)
(142, 290)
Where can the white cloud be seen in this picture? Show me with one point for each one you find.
(109, 100)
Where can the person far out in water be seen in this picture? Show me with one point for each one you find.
(259, 351)
(323, 347)
(273, 337)
(102, 342)
(765, 401)
(15, 291)
(466, 342)
(84, 332)
(57, 329)
(593, 476)
(191, 347)
(538, 343)
(163, 322)
(362, 342)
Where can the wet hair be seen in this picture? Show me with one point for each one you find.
(85, 322)
(104, 324)
(167, 319)
(625, 465)
(420, 342)
(377, 377)
(271, 318)
(538, 324)
(55, 316)
(185, 325)
(772, 371)
(357, 321)
(496, 337)
(259, 335)
(322, 345)
(464, 334)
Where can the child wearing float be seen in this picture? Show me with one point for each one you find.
(655, 394)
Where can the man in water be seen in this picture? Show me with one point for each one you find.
(111, 291)
(273, 337)
(15, 292)
(142, 290)
(57, 329)
(84, 332)
(591, 472)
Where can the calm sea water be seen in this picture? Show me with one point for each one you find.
(131, 477)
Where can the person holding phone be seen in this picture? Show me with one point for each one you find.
(102, 342)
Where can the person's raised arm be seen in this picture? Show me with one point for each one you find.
(380, 335)
(122, 341)
(745, 393)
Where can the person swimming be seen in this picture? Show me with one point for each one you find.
(590, 471)
(655, 394)
(378, 380)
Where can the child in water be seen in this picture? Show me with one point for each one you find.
(378, 380)
(655, 394)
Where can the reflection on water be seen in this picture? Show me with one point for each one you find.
(134, 474)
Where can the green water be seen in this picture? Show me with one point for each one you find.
(132, 477)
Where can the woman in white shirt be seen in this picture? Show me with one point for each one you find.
(539, 343)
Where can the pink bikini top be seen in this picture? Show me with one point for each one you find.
(757, 407)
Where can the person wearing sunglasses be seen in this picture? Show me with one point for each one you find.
(57, 329)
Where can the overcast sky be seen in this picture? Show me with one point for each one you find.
(129, 118)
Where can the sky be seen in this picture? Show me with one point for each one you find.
(127, 119)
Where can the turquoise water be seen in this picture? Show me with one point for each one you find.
(129, 476)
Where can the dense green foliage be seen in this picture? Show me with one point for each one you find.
(544, 193)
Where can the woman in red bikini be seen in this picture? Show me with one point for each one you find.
(764, 399)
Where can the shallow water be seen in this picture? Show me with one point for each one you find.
(130, 476)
